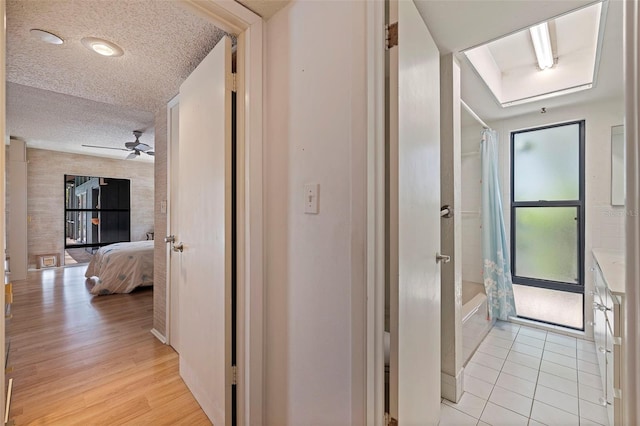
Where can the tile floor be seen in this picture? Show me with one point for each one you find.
(526, 376)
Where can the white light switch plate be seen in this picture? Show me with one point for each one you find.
(311, 201)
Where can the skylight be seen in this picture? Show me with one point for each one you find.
(553, 58)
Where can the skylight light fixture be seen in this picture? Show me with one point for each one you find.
(506, 64)
(542, 45)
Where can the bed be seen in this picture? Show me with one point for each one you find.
(121, 267)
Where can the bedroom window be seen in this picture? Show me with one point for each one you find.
(97, 211)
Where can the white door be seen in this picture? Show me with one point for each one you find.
(204, 230)
(414, 200)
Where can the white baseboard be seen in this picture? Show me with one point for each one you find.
(452, 387)
(159, 336)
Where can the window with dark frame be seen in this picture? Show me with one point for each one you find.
(97, 211)
(547, 207)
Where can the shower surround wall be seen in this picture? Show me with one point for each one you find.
(475, 325)
(471, 203)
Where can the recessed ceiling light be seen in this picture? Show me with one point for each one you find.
(542, 45)
(46, 36)
(102, 47)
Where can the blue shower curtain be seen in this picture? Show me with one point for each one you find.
(495, 251)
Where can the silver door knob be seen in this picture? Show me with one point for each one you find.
(442, 258)
(178, 247)
(170, 239)
(604, 350)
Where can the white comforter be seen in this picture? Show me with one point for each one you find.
(121, 267)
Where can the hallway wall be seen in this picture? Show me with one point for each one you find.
(315, 264)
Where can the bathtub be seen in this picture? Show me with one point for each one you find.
(475, 322)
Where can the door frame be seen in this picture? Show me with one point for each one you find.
(235, 19)
(3, 131)
(376, 200)
(171, 290)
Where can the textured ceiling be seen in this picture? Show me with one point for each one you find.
(163, 42)
(41, 117)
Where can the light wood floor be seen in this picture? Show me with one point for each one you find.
(83, 359)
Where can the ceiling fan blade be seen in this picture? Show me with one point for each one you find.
(142, 147)
(133, 155)
(151, 153)
(105, 147)
(131, 145)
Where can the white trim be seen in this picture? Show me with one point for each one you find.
(170, 105)
(243, 258)
(159, 336)
(3, 131)
(452, 386)
(235, 19)
(8, 400)
(228, 15)
(375, 238)
(251, 321)
(631, 331)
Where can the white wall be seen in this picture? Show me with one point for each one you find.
(315, 133)
(604, 225)
(471, 203)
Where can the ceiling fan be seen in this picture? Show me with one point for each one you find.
(136, 147)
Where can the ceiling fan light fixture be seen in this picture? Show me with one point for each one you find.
(102, 47)
(46, 36)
